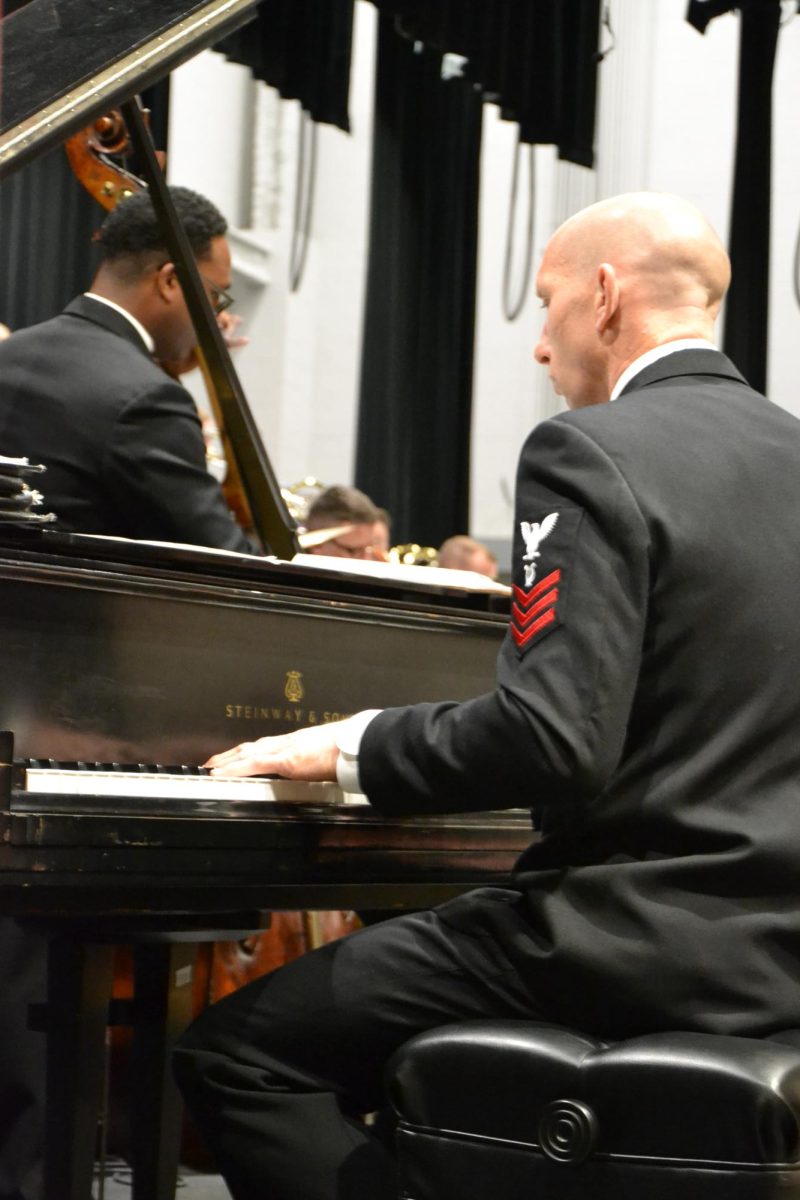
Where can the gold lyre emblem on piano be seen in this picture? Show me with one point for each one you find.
(293, 689)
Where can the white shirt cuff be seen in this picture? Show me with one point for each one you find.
(348, 740)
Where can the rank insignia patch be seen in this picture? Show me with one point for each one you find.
(534, 609)
(544, 558)
(534, 533)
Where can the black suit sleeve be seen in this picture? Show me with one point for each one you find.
(155, 470)
(554, 727)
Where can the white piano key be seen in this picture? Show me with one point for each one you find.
(183, 787)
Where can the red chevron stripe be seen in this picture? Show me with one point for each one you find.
(523, 638)
(525, 618)
(525, 598)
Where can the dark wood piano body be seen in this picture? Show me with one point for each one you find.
(119, 652)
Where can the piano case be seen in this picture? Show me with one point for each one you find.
(511, 1110)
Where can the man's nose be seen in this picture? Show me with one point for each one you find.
(542, 353)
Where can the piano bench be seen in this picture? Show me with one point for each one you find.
(516, 1110)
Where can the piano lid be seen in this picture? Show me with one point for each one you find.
(65, 62)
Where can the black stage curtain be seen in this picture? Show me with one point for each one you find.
(536, 59)
(46, 255)
(416, 375)
(47, 220)
(747, 307)
(302, 48)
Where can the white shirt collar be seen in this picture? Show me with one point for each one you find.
(137, 325)
(651, 356)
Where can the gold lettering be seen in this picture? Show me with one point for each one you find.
(282, 716)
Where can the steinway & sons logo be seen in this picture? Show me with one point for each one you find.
(285, 711)
(294, 690)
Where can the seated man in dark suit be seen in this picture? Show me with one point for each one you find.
(85, 394)
(646, 708)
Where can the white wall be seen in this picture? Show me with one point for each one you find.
(300, 369)
(665, 121)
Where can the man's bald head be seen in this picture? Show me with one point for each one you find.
(659, 241)
(623, 276)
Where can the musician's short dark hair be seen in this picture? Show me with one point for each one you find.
(340, 505)
(132, 231)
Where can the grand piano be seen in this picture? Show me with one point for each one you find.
(120, 654)
(124, 660)
(126, 664)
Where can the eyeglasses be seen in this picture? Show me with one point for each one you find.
(220, 299)
(351, 551)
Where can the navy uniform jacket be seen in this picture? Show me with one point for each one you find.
(647, 707)
(121, 440)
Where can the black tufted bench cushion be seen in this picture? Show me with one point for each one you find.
(512, 1110)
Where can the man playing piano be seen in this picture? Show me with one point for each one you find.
(646, 707)
(86, 393)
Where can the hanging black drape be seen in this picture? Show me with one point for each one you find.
(747, 307)
(536, 59)
(302, 48)
(416, 377)
(46, 253)
(47, 220)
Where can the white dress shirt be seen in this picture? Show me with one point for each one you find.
(123, 312)
(651, 356)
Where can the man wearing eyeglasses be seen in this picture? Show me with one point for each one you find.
(94, 393)
(350, 518)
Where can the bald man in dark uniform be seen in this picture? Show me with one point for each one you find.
(646, 708)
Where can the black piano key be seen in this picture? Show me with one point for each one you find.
(53, 764)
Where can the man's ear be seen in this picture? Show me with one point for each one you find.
(166, 282)
(606, 297)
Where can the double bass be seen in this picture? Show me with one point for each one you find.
(97, 154)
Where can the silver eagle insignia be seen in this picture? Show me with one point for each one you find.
(534, 533)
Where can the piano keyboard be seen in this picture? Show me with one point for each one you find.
(144, 782)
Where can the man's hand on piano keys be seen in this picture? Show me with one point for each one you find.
(308, 754)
